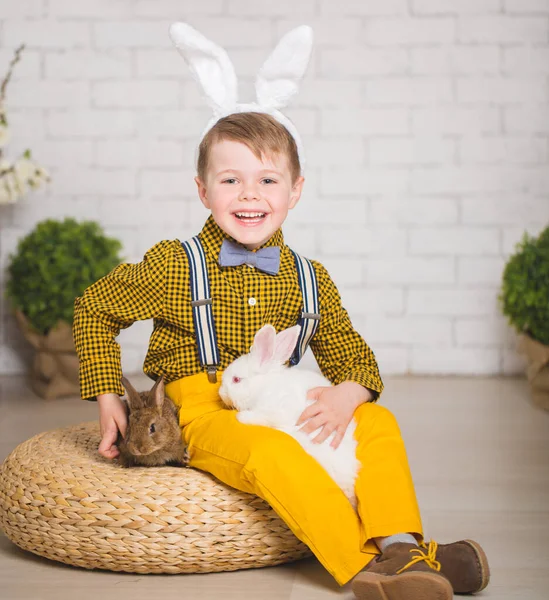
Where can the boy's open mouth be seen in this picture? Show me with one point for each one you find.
(250, 218)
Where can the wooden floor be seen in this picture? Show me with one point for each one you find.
(479, 453)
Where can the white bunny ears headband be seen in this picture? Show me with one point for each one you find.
(276, 83)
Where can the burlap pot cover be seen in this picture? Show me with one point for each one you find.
(538, 369)
(61, 500)
(54, 371)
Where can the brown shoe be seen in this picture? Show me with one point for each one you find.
(402, 572)
(463, 563)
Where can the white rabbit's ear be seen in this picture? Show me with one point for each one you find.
(209, 65)
(264, 344)
(285, 344)
(279, 77)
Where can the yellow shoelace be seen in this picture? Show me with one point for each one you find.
(430, 558)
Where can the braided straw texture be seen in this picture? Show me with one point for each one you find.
(60, 499)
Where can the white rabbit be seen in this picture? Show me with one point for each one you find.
(266, 392)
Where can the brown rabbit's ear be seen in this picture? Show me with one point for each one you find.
(157, 392)
(134, 399)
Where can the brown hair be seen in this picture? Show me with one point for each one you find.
(261, 132)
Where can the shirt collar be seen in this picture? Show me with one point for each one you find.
(212, 237)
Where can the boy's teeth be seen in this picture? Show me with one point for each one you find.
(251, 215)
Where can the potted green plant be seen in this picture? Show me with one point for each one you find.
(51, 266)
(525, 301)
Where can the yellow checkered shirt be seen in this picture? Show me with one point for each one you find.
(158, 288)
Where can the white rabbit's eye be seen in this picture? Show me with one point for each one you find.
(236, 379)
(151, 428)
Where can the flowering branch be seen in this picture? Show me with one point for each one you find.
(16, 177)
(7, 78)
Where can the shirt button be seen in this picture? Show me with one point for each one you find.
(252, 301)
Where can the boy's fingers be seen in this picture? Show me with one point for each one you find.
(314, 393)
(122, 428)
(324, 434)
(111, 452)
(314, 423)
(337, 438)
(108, 439)
(309, 412)
(114, 452)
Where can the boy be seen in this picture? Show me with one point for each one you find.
(249, 178)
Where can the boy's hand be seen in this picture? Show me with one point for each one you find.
(112, 418)
(333, 410)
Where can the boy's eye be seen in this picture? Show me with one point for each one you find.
(268, 180)
(230, 180)
(236, 379)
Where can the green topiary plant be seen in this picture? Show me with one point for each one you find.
(525, 291)
(53, 265)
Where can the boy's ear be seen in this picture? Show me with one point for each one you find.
(202, 192)
(295, 194)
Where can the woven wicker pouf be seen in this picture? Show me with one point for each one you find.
(60, 499)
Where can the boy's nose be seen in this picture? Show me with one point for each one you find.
(250, 193)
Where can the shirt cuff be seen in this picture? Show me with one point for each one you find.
(100, 377)
(375, 385)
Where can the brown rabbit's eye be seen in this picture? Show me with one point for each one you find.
(151, 428)
(236, 379)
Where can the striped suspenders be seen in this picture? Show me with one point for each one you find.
(310, 315)
(203, 318)
(201, 302)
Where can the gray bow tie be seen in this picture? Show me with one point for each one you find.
(265, 259)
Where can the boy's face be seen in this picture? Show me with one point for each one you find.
(249, 198)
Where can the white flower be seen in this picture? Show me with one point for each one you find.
(25, 169)
(4, 135)
(5, 196)
(18, 187)
(9, 189)
(40, 176)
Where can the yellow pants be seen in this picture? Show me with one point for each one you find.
(272, 465)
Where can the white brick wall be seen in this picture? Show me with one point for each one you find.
(426, 124)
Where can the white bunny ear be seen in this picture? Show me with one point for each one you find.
(210, 66)
(264, 344)
(285, 344)
(279, 77)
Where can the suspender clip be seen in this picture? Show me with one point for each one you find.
(212, 373)
(201, 302)
(306, 315)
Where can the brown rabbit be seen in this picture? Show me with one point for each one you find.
(153, 435)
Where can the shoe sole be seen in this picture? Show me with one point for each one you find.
(482, 563)
(413, 585)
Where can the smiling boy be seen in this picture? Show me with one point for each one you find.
(233, 186)
(248, 176)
